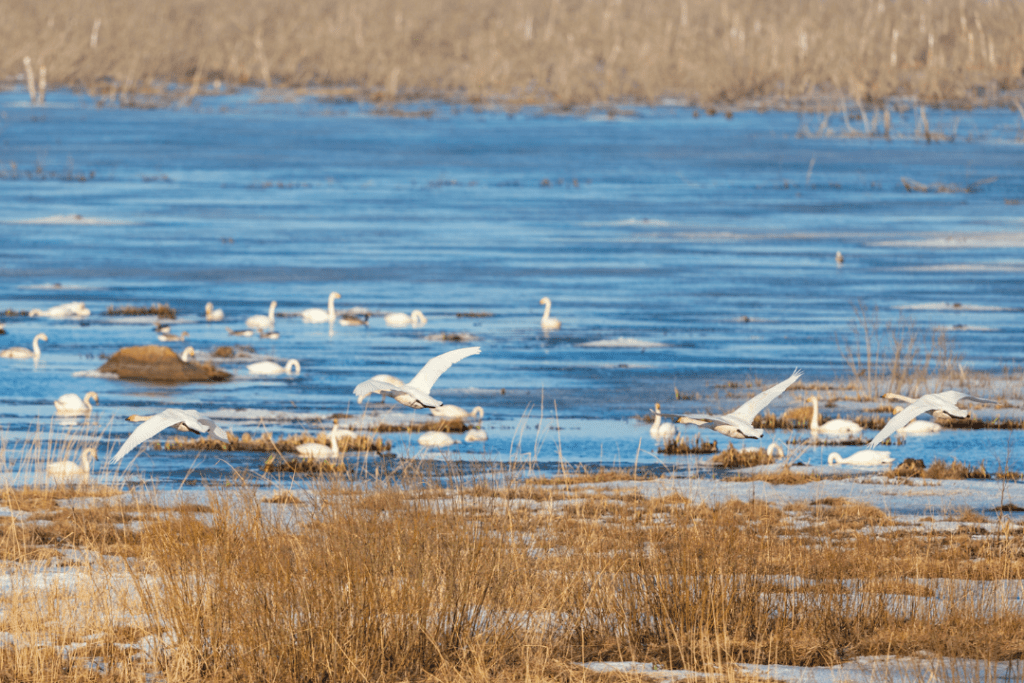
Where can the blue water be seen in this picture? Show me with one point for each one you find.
(711, 237)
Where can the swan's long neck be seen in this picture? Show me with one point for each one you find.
(657, 417)
(35, 347)
(88, 397)
(547, 311)
(330, 307)
(292, 367)
(477, 412)
(814, 414)
(270, 314)
(86, 459)
(834, 459)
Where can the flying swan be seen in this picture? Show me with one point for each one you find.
(738, 423)
(832, 427)
(546, 321)
(917, 427)
(262, 322)
(865, 458)
(319, 315)
(416, 394)
(946, 402)
(269, 367)
(70, 404)
(661, 430)
(20, 352)
(68, 471)
(182, 420)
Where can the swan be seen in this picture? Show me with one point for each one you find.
(775, 450)
(162, 328)
(74, 309)
(318, 451)
(918, 427)
(417, 319)
(661, 430)
(475, 435)
(269, 367)
(738, 423)
(319, 315)
(68, 471)
(262, 322)
(865, 458)
(546, 321)
(454, 411)
(189, 352)
(435, 440)
(239, 333)
(416, 394)
(182, 420)
(20, 352)
(213, 315)
(832, 427)
(167, 337)
(70, 404)
(945, 401)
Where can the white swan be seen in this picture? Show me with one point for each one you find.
(836, 427)
(269, 367)
(318, 451)
(319, 315)
(475, 435)
(738, 423)
(435, 440)
(188, 352)
(917, 427)
(775, 450)
(546, 321)
(865, 458)
(70, 404)
(213, 315)
(454, 411)
(74, 309)
(69, 471)
(20, 352)
(416, 393)
(182, 420)
(417, 319)
(262, 322)
(168, 337)
(661, 430)
(945, 402)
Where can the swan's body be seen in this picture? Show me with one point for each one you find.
(262, 322)
(70, 404)
(454, 411)
(435, 440)
(546, 321)
(74, 309)
(865, 458)
(168, 337)
(20, 352)
(68, 471)
(929, 403)
(416, 393)
(661, 430)
(269, 367)
(182, 420)
(318, 451)
(416, 319)
(846, 428)
(475, 435)
(738, 423)
(239, 333)
(319, 315)
(213, 315)
(187, 353)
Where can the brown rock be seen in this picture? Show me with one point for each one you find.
(155, 363)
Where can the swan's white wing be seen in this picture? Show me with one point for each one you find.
(956, 396)
(902, 419)
(155, 425)
(373, 386)
(212, 429)
(751, 408)
(435, 367)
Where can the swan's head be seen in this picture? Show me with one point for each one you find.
(41, 337)
(209, 306)
(292, 365)
(89, 454)
(93, 395)
(273, 306)
(545, 301)
(657, 408)
(334, 295)
(477, 412)
(834, 458)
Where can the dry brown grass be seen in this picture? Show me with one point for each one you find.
(681, 446)
(568, 53)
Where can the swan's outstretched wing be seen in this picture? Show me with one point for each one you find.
(751, 408)
(903, 418)
(172, 417)
(435, 367)
(955, 396)
(373, 386)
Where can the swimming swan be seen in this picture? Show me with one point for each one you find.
(946, 402)
(269, 367)
(832, 427)
(70, 404)
(453, 411)
(864, 458)
(546, 321)
(474, 435)
(417, 319)
(68, 471)
(738, 423)
(213, 315)
(20, 352)
(182, 420)
(435, 440)
(188, 352)
(917, 427)
(416, 393)
(319, 315)
(318, 451)
(262, 322)
(661, 430)
(168, 337)
(74, 309)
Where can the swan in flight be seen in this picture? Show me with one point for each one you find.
(168, 337)
(474, 435)
(319, 315)
(738, 423)
(450, 410)
(182, 420)
(213, 315)
(660, 430)
(74, 309)
(20, 352)
(269, 367)
(417, 319)
(70, 404)
(917, 427)
(546, 321)
(318, 451)
(435, 440)
(69, 471)
(837, 427)
(946, 402)
(262, 322)
(865, 458)
(416, 393)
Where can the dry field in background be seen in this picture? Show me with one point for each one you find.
(560, 52)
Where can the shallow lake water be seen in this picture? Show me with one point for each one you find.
(681, 252)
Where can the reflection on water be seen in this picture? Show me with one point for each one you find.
(682, 255)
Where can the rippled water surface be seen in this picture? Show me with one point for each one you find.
(680, 252)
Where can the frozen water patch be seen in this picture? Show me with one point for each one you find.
(69, 219)
(967, 268)
(946, 306)
(622, 343)
(980, 240)
(94, 374)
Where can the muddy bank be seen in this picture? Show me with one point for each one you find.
(155, 363)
